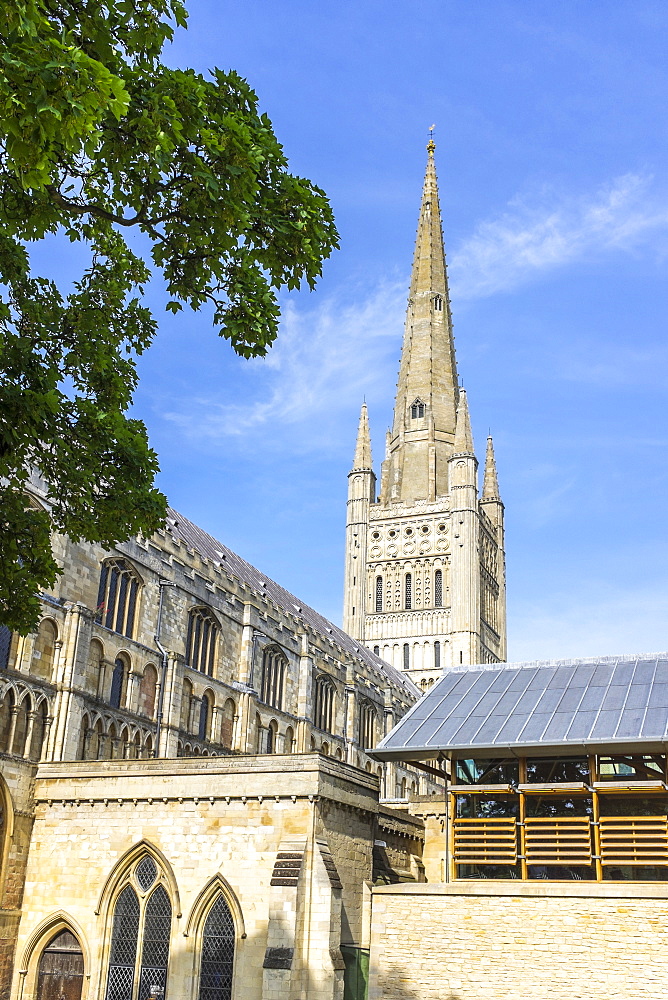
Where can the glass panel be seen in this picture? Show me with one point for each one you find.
(633, 805)
(487, 806)
(636, 767)
(155, 950)
(546, 770)
(111, 598)
(146, 873)
(500, 771)
(217, 954)
(123, 946)
(116, 684)
(558, 805)
(5, 643)
(489, 871)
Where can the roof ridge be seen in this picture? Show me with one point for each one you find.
(565, 662)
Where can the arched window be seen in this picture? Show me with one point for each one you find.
(367, 725)
(273, 677)
(140, 935)
(376, 650)
(417, 409)
(379, 593)
(117, 682)
(408, 591)
(201, 641)
(5, 645)
(61, 968)
(215, 977)
(117, 597)
(288, 740)
(407, 656)
(438, 303)
(266, 736)
(438, 588)
(204, 717)
(437, 655)
(323, 709)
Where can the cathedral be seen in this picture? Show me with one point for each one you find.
(424, 569)
(210, 792)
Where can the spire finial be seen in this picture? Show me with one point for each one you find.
(490, 488)
(363, 447)
(463, 435)
(431, 145)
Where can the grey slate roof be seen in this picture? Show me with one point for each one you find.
(615, 702)
(179, 527)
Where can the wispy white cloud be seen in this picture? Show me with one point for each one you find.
(544, 232)
(324, 362)
(327, 358)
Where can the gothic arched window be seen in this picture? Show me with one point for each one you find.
(438, 588)
(323, 712)
(117, 679)
(417, 409)
(379, 593)
(215, 977)
(367, 725)
(273, 677)
(117, 597)
(408, 591)
(140, 936)
(201, 640)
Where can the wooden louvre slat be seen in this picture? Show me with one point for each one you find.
(558, 840)
(634, 840)
(485, 841)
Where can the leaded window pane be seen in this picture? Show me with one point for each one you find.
(155, 950)
(438, 589)
(123, 946)
(409, 592)
(217, 954)
(146, 872)
(5, 643)
(379, 593)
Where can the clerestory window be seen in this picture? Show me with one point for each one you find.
(274, 664)
(201, 640)
(117, 597)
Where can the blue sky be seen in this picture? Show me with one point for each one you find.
(551, 155)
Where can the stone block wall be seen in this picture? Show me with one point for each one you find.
(504, 941)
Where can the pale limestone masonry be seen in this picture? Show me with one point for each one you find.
(505, 941)
(212, 825)
(424, 567)
(91, 695)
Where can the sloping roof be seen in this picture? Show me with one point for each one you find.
(549, 707)
(179, 527)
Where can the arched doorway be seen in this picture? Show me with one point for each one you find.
(61, 969)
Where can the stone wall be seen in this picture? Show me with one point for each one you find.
(288, 838)
(503, 941)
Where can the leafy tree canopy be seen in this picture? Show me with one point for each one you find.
(99, 138)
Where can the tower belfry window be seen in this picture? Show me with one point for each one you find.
(379, 593)
(438, 303)
(438, 589)
(417, 409)
(408, 602)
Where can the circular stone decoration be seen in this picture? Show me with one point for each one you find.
(409, 548)
(375, 552)
(391, 550)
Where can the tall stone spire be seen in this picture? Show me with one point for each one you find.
(490, 487)
(362, 458)
(463, 435)
(425, 410)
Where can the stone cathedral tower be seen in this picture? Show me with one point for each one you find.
(425, 571)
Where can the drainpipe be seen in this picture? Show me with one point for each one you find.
(163, 652)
